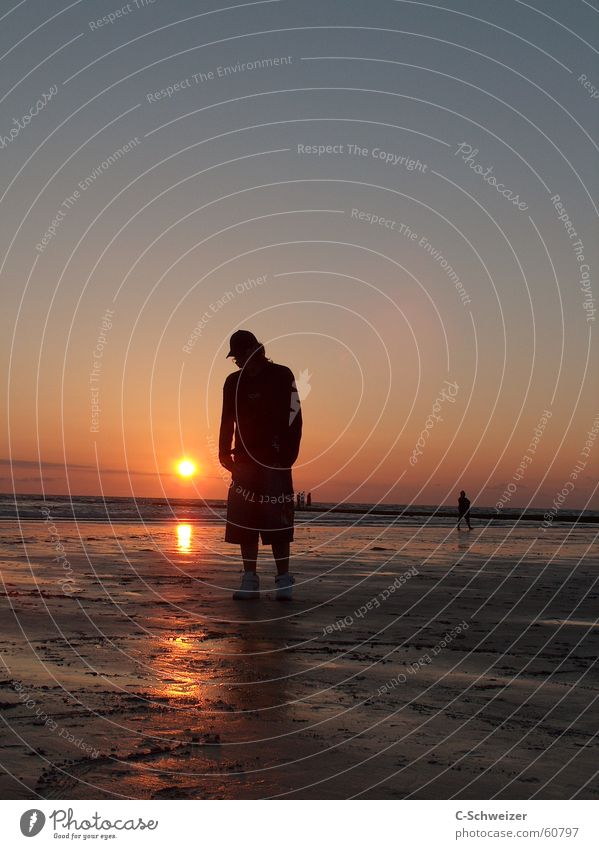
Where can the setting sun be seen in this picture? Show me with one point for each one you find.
(186, 468)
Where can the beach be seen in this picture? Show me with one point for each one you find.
(413, 662)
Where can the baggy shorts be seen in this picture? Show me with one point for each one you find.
(260, 503)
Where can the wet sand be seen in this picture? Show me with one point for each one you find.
(413, 663)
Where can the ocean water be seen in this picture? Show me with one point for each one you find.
(35, 554)
(115, 510)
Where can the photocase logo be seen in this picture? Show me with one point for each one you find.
(32, 822)
(300, 392)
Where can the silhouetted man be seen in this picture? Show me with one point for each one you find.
(464, 510)
(261, 410)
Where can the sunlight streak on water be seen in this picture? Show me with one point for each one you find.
(184, 537)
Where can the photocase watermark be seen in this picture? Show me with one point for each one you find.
(67, 583)
(51, 724)
(400, 160)
(241, 288)
(593, 90)
(570, 482)
(32, 822)
(372, 603)
(525, 462)
(103, 166)
(424, 659)
(218, 73)
(584, 268)
(95, 373)
(252, 496)
(66, 820)
(428, 248)
(27, 118)
(121, 12)
(422, 242)
(446, 393)
(69, 202)
(468, 155)
(300, 390)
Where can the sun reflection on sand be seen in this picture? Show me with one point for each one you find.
(178, 668)
(184, 537)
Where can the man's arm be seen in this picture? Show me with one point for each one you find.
(227, 426)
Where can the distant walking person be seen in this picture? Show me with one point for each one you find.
(261, 410)
(309, 499)
(464, 510)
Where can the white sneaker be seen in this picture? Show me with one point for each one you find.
(249, 588)
(284, 584)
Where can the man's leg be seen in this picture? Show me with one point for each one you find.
(249, 555)
(284, 581)
(250, 583)
(280, 552)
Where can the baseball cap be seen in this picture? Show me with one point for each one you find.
(240, 341)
